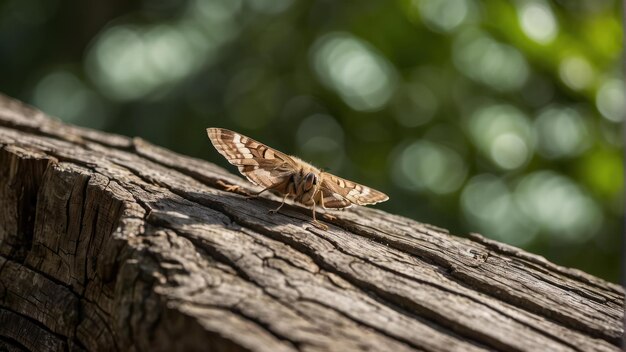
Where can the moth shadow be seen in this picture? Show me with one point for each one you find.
(204, 220)
(226, 208)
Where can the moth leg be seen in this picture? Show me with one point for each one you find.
(274, 211)
(326, 215)
(229, 188)
(316, 223)
(257, 194)
(330, 217)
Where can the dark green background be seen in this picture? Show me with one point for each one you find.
(499, 117)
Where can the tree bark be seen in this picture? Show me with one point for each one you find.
(111, 243)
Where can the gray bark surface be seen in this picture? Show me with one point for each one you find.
(111, 243)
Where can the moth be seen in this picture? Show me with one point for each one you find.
(289, 176)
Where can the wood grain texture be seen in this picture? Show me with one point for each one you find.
(111, 243)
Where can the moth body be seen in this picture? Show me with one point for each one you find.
(304, 184)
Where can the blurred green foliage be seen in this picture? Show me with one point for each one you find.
(499, 117)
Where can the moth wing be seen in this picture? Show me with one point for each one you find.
(334, 200)
(260, 164)
(341, 193)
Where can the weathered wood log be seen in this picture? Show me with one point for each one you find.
(110, 243)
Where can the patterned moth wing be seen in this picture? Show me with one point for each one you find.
(341, 193)
(260, 164)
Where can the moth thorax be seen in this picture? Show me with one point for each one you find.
(309, 182)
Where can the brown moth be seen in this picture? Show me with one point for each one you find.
(290, 176)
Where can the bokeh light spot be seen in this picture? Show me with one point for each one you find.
(485, 60)
(488, 205)
(443, 15)
(503, 134)
(610, 100)
(319, 125)
(561, 132)
(428, 166)
(558, 206)
(364, 79)
(537, 21)
(576, 72)
(62, 94)
(320, 138)
(130, 62)
(509, 150)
